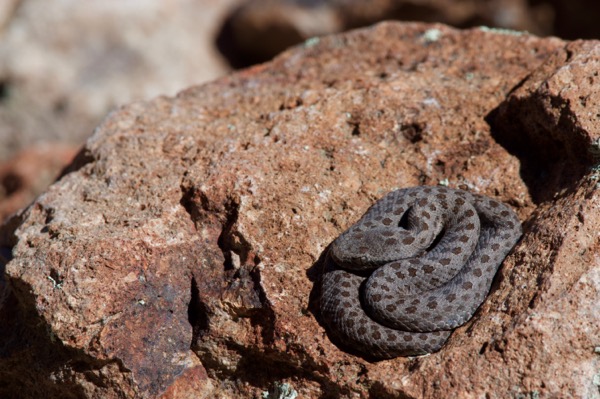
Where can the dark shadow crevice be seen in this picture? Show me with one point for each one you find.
(554, 155)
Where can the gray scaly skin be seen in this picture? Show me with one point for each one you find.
(417, 265)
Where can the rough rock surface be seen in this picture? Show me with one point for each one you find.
(180, 256)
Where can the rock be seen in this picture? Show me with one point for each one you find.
(257, 30)
(29, 174)
(65, 64)
(180, 254)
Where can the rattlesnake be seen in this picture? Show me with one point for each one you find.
(417, 265)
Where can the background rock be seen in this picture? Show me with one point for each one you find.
(64, 65)
(179, 255)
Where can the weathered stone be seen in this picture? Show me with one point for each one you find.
(180, 256)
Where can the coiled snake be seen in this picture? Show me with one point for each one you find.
(417, 265)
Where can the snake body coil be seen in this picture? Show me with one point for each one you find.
(417, 265)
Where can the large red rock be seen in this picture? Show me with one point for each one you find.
(181, 254)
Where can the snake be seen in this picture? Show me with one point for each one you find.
(413, 268)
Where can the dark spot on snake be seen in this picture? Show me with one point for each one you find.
(407, 337)
(337, 278)
(463, 238)
(432, 305)
(459, 201)
(445, 262)
(412, 271)
(469, 213)
(391, 241)
(346, 284)
(361, 330)
(376, 297)
(467, 285)
(400, 275)
(415, 301)
(389, 280)
(428, 269)
(350, 323)
(422, 202)
(387, 221)
(408, 240)
(363, 250)
(495, 247)
(411, 310)
(391, 337)
(494, 204)
(427, 190)
(347, 305)
(345, 294)
(451, 297)
(432, 207)
(436, 333)
(414, 261)
(441, 196)
(376, 335)
(391, 308)
(359, 236)
(477, 272)
(426, 215)
(470, 226)
(423, 337)
(456, 250)
(485, 258)
(504, 213)
(385, 287)
(425, 226)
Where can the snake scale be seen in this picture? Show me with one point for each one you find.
(417, 265)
